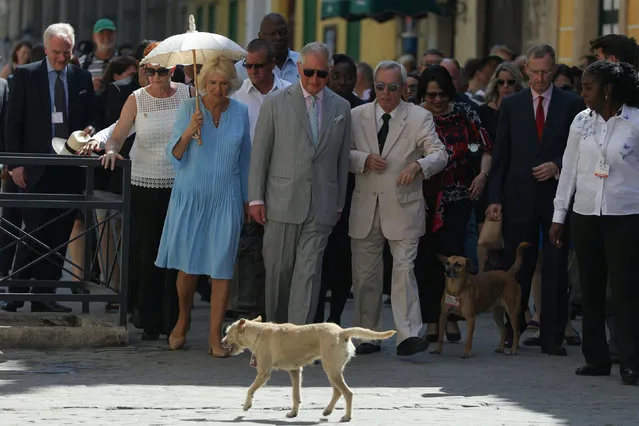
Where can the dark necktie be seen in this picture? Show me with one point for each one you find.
(541, 120)
(383, 132)
(60, 102)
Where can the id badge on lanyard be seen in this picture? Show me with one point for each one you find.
(602, 169)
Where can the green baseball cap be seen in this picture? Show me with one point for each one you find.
(103, 24)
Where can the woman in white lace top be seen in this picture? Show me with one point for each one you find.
(152, 110)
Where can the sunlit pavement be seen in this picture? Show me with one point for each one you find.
(146, 383)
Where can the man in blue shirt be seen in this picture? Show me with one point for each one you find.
(274, 29)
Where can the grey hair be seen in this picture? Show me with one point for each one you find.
(62, 30)
(391, 65)
(492, 91)
(316, 47)
(539, 51)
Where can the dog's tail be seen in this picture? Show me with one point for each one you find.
(519, 260)
(366, 334)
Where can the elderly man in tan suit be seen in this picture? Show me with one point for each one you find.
(394, 147)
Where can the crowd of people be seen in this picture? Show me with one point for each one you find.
(300, 178)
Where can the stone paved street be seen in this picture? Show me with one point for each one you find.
(145, 383)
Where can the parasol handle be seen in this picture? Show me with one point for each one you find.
(197, 134)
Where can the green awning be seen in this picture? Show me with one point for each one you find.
(383, 10)
(336, 9)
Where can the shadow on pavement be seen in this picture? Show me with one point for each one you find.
(529, 381)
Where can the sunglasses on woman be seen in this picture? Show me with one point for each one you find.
(320, 73)
(501, 82)
(162, 72)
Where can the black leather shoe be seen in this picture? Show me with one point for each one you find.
(11, 306)
(532, 341)
(593, 370)
(629, 376)
(554, 349)
(49, 307)
(412, 345)
(367, 348)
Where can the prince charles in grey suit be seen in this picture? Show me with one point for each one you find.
(297, 184)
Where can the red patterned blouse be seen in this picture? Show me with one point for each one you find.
(466, 140)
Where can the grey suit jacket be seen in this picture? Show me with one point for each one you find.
(294, 179)
(4, 98)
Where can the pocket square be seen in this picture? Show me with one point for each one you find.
(338, 118)
(82, 92)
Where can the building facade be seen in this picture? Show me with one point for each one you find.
(364, 40)
(568, 25)
(472, 27)
(135, 19)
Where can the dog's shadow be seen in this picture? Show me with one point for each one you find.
(242, 419)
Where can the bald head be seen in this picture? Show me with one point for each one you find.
(274, 29)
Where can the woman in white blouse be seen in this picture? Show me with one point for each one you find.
(151, 111)
(601, 169)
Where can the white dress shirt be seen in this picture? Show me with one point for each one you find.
(591, 137)
(105, 134)
(379, 112)
(249, 95)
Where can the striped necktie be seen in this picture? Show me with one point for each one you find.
(313, 117)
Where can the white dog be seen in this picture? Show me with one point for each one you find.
(290, 347)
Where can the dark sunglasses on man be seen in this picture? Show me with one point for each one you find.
(162, 72)
(256, 66)
(392, 87)
(320, 73)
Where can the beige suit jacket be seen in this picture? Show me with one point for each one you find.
(411, 137)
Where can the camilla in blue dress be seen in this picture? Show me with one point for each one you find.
(203, 224)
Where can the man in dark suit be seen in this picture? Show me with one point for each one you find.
(531, 138)
(49, 99)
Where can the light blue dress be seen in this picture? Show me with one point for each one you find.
(203, 224)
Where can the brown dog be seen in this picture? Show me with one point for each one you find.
(290, 347)
(469, 295)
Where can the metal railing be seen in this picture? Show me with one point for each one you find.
(118, 205)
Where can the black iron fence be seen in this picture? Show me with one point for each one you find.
(85, 288)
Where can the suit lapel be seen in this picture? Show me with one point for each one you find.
(396, 126)
(328, 115)
(72, 89)
(369, 125)
(553, 113)
(45, 96)
(298, 106)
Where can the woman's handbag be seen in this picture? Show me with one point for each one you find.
(490, 236)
